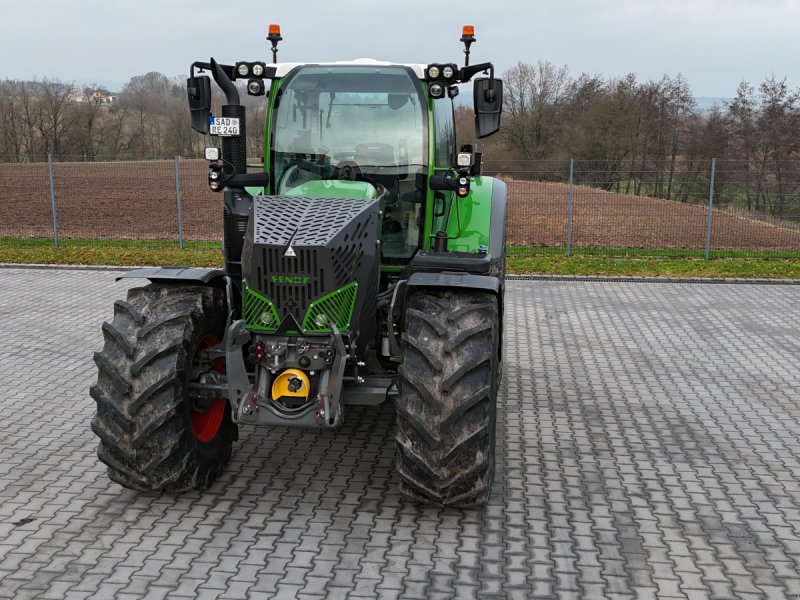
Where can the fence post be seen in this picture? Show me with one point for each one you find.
(710, 208)
(569, 206)
(178, 197)
(53, 198)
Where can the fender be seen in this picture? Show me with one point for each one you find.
(477, 238)
(175, 275)
(481, 218)
(497, 228)
(486, 283)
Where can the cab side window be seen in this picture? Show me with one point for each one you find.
(444, 122)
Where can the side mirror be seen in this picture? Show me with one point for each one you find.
(199, 92)
(488, 100)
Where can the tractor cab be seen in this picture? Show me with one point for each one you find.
(354, 131)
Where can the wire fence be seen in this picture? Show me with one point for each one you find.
(658, 208)
(149, 203)
(654, 209)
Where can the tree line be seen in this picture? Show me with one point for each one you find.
(548, 115)
(642, 137)
(149, 118)
(649, 137)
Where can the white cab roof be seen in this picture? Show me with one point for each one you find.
(284, 68)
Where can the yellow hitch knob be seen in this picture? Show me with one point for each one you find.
(292, 383)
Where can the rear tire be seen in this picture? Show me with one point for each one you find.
(153, 435)
(447, 400)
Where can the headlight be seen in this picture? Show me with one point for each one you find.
(266, 318)
(258, 69)
(436, 90)
(322, 320)
(433, 72)
(255, 87)
(243, 69)
(447, 72)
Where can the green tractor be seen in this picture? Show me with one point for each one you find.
(364, 262)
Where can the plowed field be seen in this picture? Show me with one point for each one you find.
(137, 200)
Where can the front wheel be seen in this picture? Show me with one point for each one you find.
(155, 433)
(446, 406)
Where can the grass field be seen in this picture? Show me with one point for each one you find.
(521, 260)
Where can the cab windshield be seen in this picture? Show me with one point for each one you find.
(355, 131)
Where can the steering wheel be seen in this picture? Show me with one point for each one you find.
(289, 179)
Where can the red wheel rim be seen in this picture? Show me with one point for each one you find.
(205, 424)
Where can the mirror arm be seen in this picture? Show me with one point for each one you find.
(223, 75)
(241, 180)
(200, 66)
(223, 80)
(468, 73)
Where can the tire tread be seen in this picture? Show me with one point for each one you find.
(145, 438)
(447, 397)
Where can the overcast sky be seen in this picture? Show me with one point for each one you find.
(714, 43)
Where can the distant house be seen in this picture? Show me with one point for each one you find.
(100, 96)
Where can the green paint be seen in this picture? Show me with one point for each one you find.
(427, 228)
(336, 307)
(471, 217)
(259, 312)
(290, 279)
(273, 93)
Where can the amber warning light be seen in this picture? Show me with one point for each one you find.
(273, 38)
(467, 38)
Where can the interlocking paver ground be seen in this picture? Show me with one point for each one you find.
(649, 447)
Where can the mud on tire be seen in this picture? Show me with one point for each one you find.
(446, 406)
(153, 435)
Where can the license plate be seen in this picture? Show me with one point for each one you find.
(224, 126)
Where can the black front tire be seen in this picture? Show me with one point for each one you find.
(146, 419)
(447, 400)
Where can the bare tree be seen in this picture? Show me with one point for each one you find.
(52, 98)
(534, 95)
(12, 135)
(146, 96)
(87, 118)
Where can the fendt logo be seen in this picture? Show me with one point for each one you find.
(290, 279)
